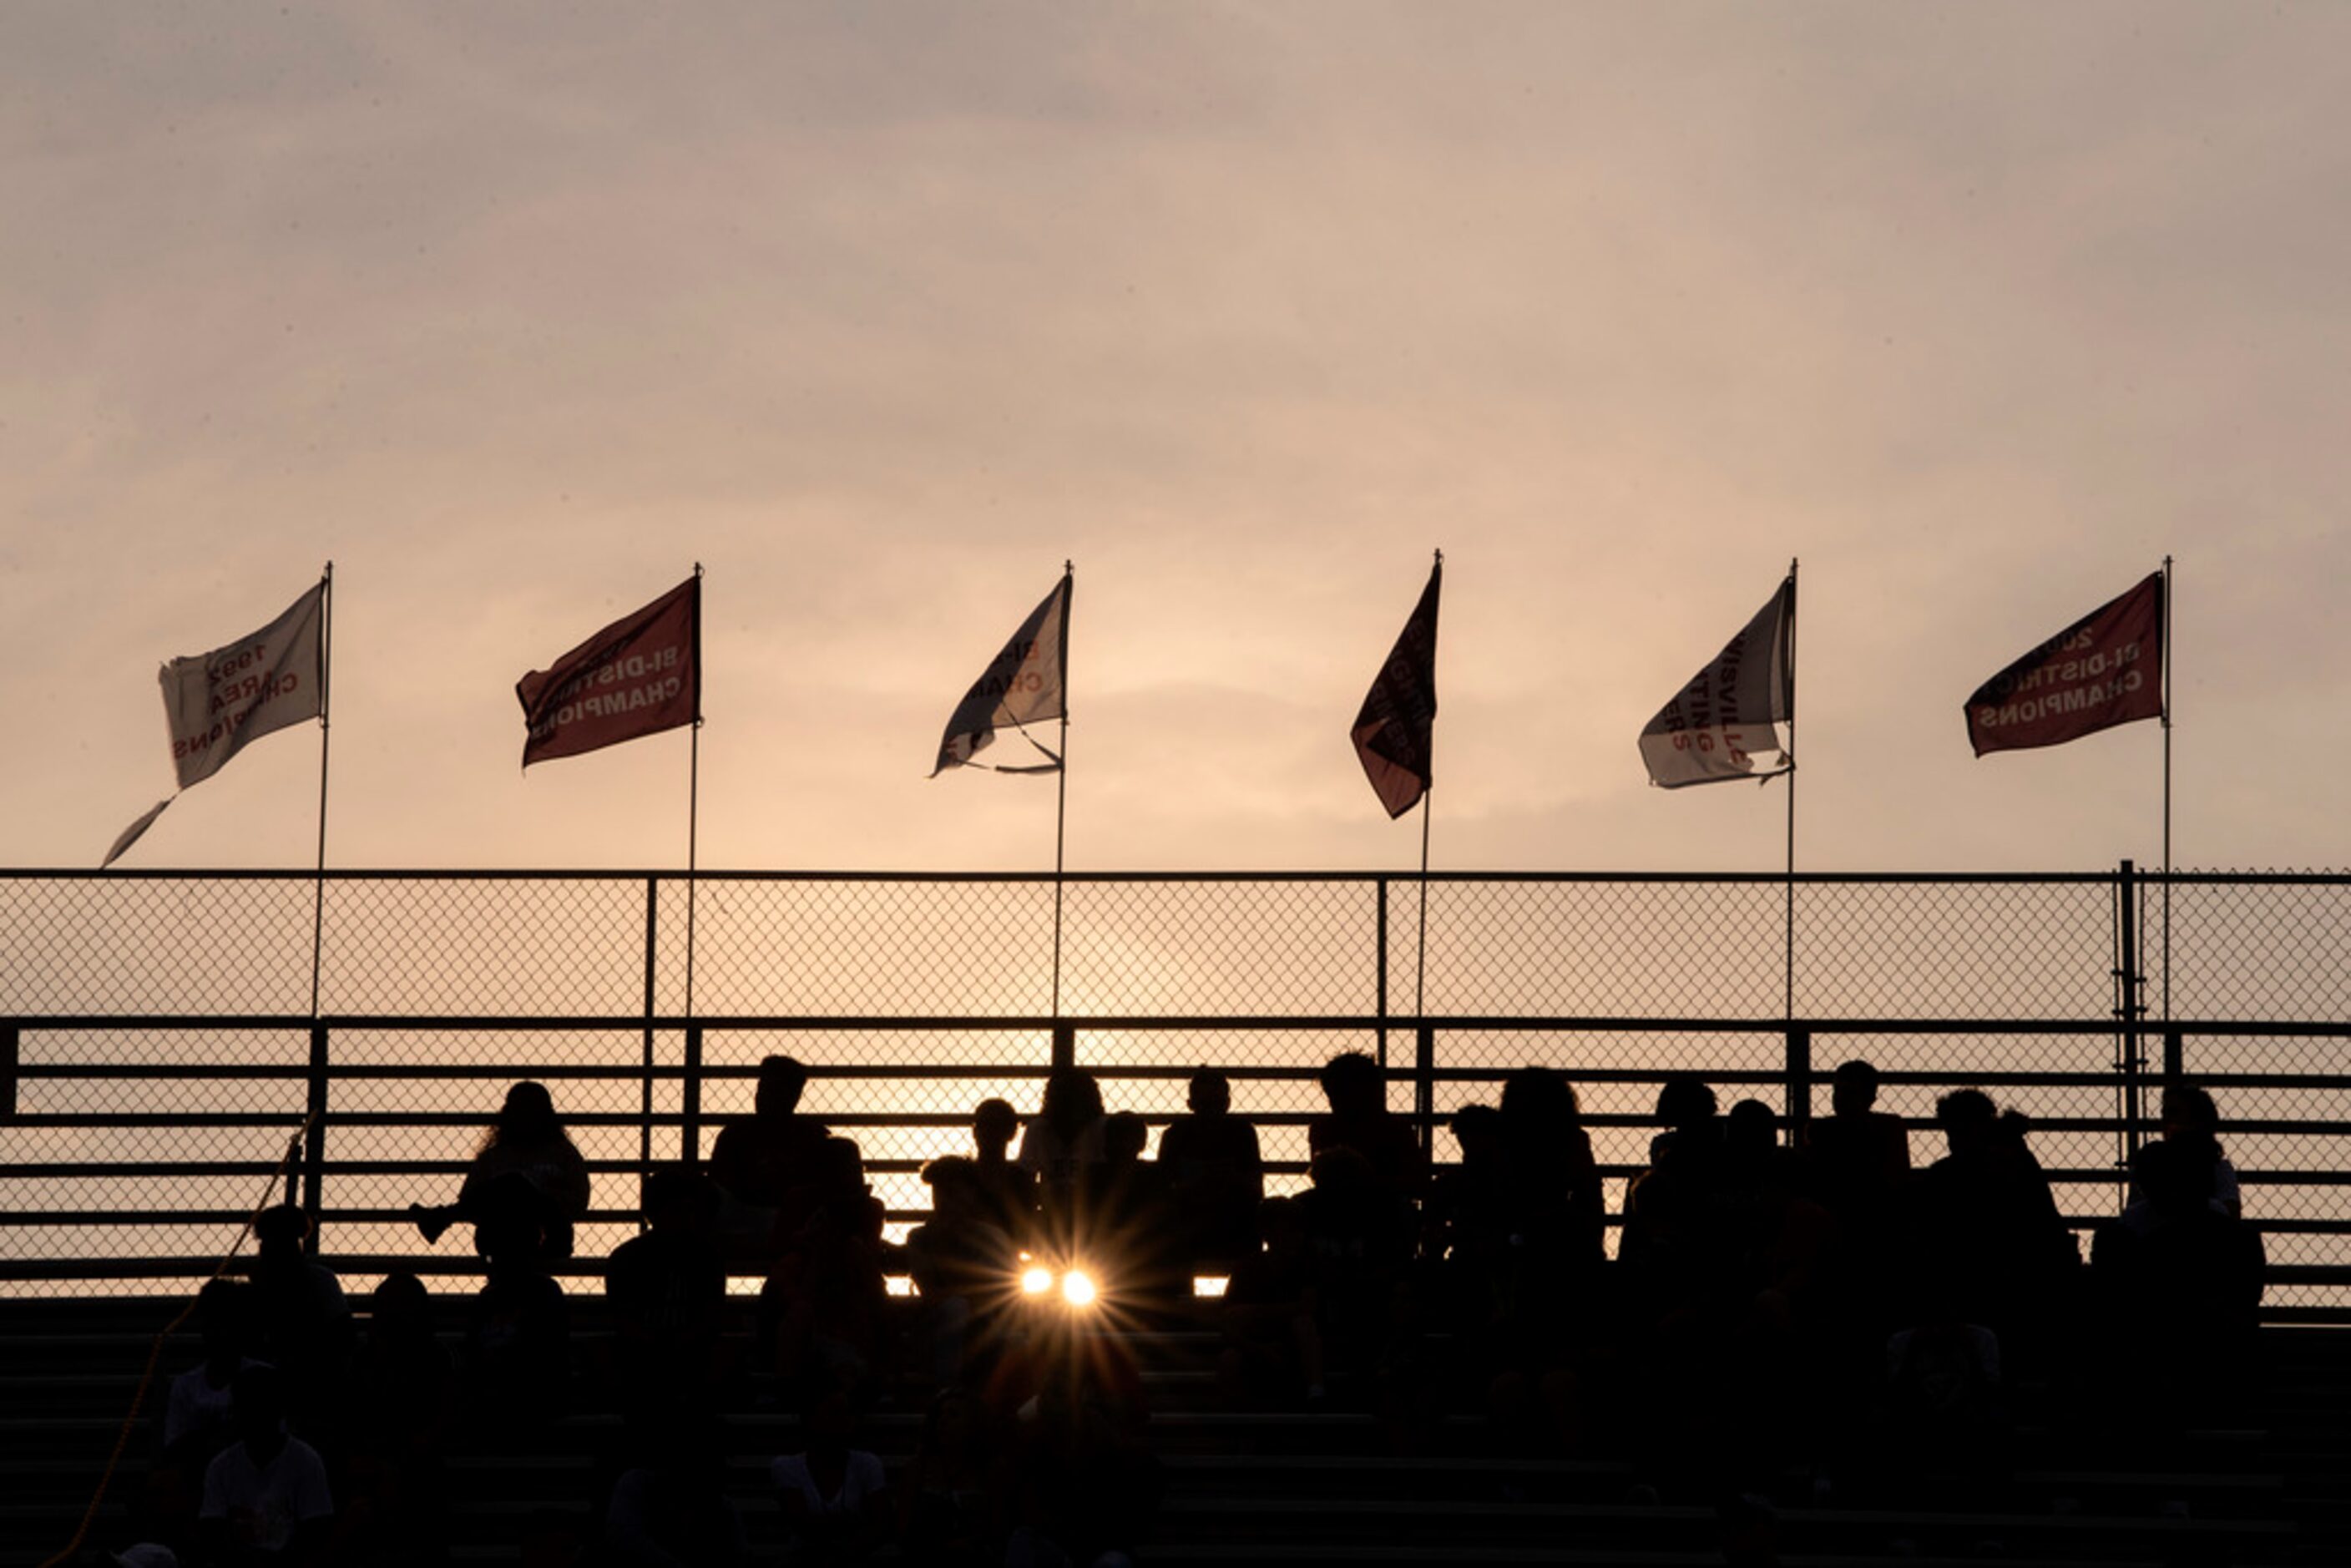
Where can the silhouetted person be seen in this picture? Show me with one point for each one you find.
(835, 1498)
(1551, 1182)
(1062, 1148)
(518, 1328)
(1006, 1189)
(1988, 1245)
(403, 1406)
(1216, 1175)
(668, 1293)
(1356, 1247)
(2177, 1283)
(199, 1413)
(2191, 1123)
(767, 1165)
(266, 1495)
(1273, 1350)
(672, 1510)
(963, 1263)
(526, 1160)
(951, 1503)
(821, 1308)
(299, 1320)
(1356, 1091)
(1084, 1481)
(1856, 1157)
(1692, 1137)
(1132, 1229)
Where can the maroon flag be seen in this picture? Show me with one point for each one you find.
(1393, 733)
(640, 676)
(2104, 669)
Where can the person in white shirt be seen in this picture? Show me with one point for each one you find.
(265, 1497)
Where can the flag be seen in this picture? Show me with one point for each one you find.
(1394, 730)
(2104, 670)
(1021, 686)
(640, 676)
(1729, 712)
(216, 704)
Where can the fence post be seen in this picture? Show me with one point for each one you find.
(1424, 1086)
(1065, 1044)
(689, 1137)
(1800, 1084)
(10, 1042)
(2175, 1057)
(645, 1091)
(1380, 969)
(314, 1145)
(2129, 1062)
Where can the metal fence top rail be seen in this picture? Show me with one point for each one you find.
(672, 873)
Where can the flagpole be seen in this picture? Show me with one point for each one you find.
(692, 809)
(1062, 793)
(2167, 789)
(326, 689)
(1788, 985)
(1420, 956)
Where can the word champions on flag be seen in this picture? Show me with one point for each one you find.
(639, 676)
(2104, 670)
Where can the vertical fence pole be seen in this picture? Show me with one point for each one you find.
(1380, 969)
(314, 1147)
(1065, 1044)
(1800, 1084)
(646, 1084)
(2128, 1063)
(1424, 1086)
(2175, 1057)
(689, 1136)
(10, 1042)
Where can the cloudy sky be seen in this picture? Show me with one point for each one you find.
(882, 311)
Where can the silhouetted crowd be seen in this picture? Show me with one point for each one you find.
(1819, 1307)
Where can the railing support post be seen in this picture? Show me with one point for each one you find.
(2129, 1062)
(645, 1085)
(1380, 968)
(11, 1041)
(1424, 1086)
(314, 1144)
(2175, 1057)
(1799, 1070)
(1065, 1045)
(689, 1137)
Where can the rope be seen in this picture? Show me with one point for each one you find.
(155, 1350)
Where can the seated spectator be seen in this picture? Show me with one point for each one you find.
(820, 1311)
(517, 1327)
(1856, 1157)
(300, 1322)
(1132, 1230)
(1693, 1131)
(668, 1293)
(953, 1507)
(836, 1499)
(2192, 1122)
(1356, 1091)
(524, 1159)
(1272, 1350)
(767, 1164)
(199, 1413)
(2178, 1281)
(962, 1262)
(671, 1511)
(403, 1398)
(1551, 1185)
(266, 1496)
(1986, 1244)
(1356, 1245)
(1215, 1174)
(1007, 1190)
(1084, 1482)
(1061, 1150)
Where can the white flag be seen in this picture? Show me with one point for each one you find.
(216, 703)
(1730, 715)
(1021, 686)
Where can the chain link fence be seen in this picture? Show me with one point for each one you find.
(160, 1048)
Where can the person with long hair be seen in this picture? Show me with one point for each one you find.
(526, 1164)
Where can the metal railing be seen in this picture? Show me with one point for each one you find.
(156, 1047)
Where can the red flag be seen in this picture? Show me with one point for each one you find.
(640, 676)
(2104, 670)
(1394, 732)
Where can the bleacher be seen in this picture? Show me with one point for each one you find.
(1318, 1487)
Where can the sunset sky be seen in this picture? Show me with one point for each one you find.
(882, 312)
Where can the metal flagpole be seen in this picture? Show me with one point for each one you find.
(693, 811)
(1061, 791)
(2167, 789)
(1788, 990)
(326, 689)
(1420, 958)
